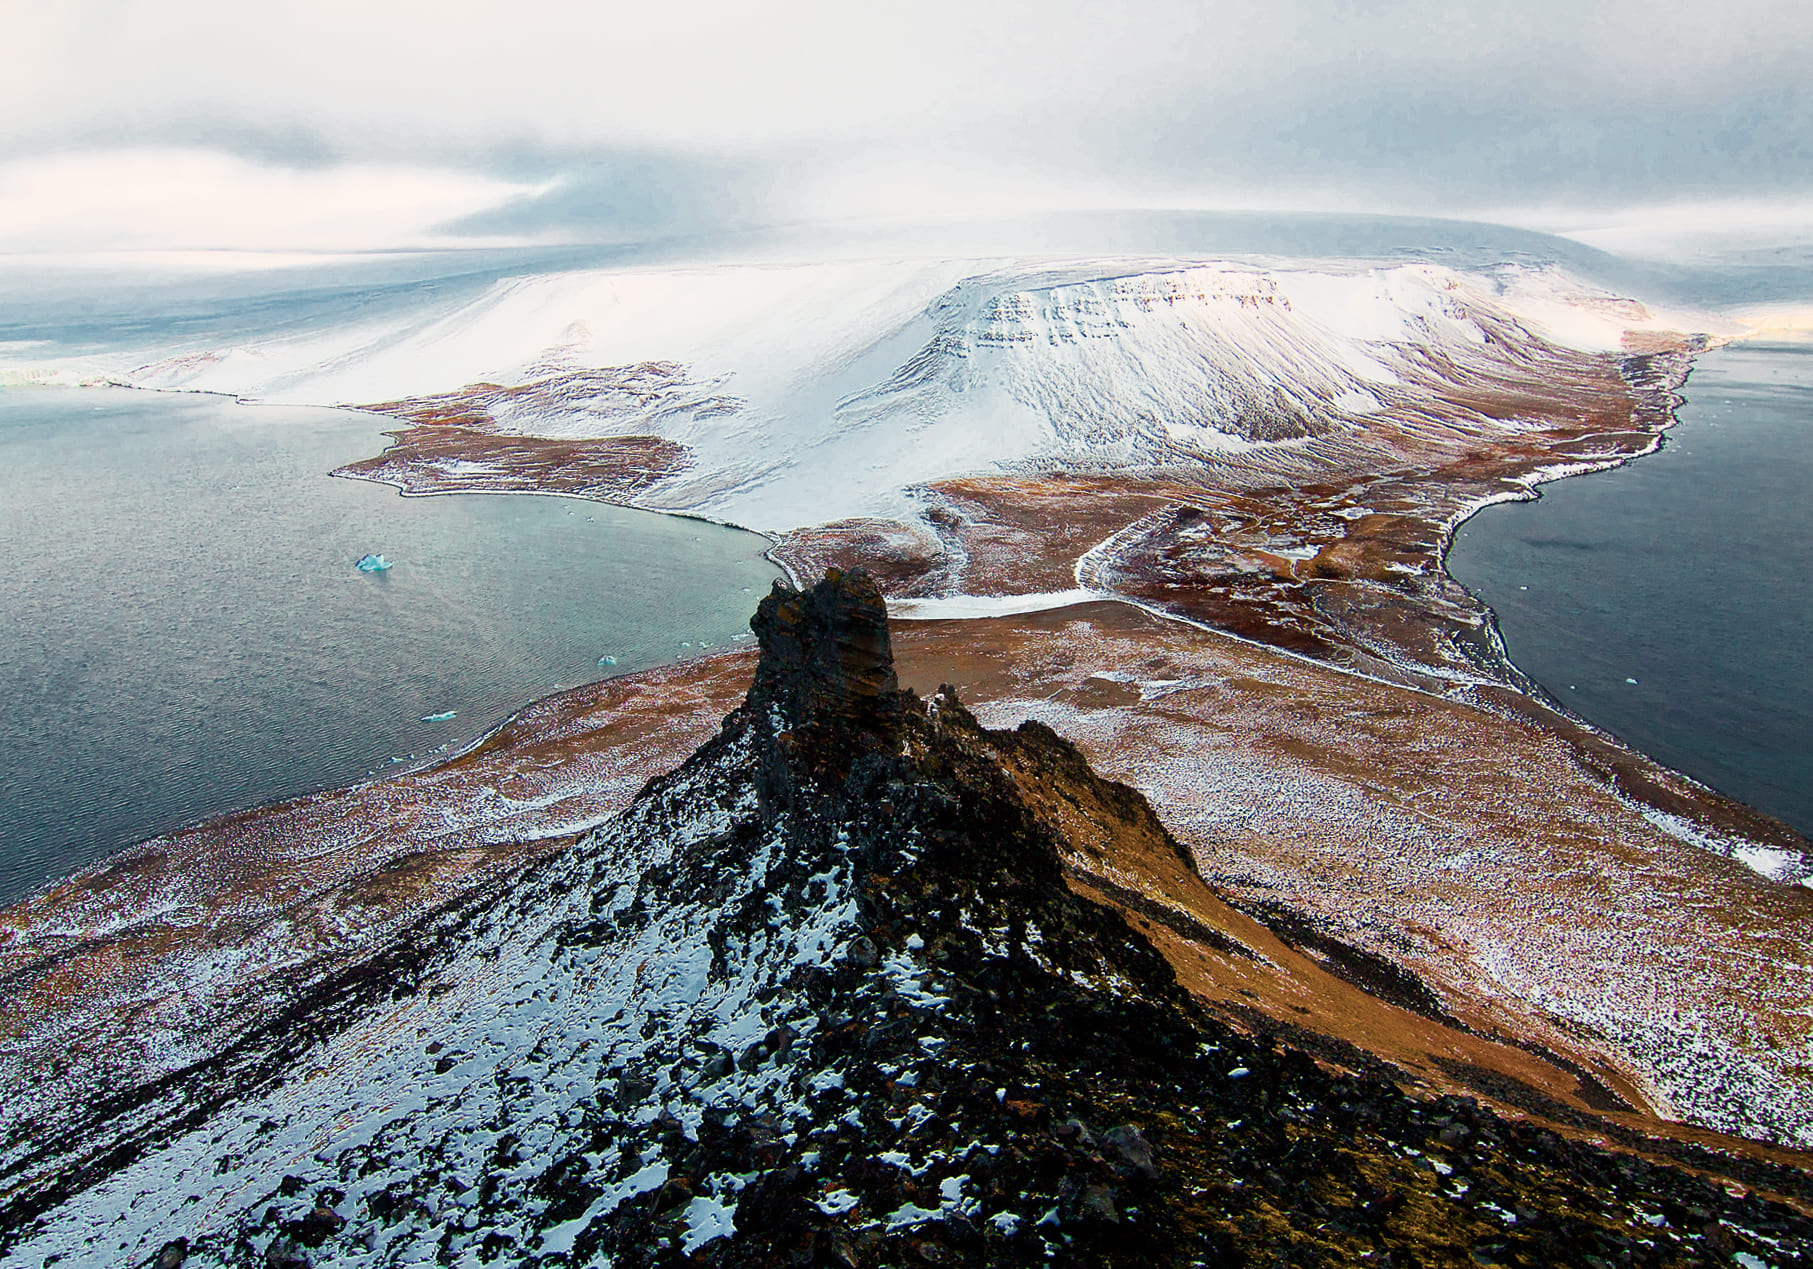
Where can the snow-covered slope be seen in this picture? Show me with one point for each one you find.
(890, 374)
(532, 1025)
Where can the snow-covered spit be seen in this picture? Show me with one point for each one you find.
(807, 393)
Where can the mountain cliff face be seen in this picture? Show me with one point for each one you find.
(823, 995)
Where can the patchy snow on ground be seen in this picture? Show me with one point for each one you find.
(601, 980)
(977, 606)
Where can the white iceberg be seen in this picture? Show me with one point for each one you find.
(371, 564)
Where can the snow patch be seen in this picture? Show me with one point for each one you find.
(971, 607)
(1786, 866)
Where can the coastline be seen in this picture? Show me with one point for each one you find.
(1631, 554)
(1267, 644)
(339, 869)
(1731, 819)
(413, 474)
(1469, 626)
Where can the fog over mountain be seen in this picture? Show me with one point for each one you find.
(349, 126)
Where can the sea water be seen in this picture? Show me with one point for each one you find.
(1669, 600)
(189, 634)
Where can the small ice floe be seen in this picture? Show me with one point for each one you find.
(1632, 682)
(607, 660)
(371, 564)
(441, 718)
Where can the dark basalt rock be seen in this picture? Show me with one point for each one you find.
(828, 667)
(1069, 1078)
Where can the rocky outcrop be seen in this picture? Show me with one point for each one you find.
(827, 667)
(822, 996)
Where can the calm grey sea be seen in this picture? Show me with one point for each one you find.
(1669, 600)
(187, 634)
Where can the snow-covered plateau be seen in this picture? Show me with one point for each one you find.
(806, 393)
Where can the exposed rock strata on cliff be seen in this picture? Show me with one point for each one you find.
(823, 996)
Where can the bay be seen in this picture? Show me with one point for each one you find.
(1668, 600)
(189, 635)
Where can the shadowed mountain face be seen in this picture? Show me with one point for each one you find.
(823, 995)
(827, 665)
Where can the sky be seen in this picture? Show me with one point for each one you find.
(358, 124)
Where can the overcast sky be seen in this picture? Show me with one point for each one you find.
(349, 123)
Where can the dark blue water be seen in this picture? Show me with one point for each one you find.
(187, 635)
(1686, 571)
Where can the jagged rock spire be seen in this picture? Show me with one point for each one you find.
(828, 666)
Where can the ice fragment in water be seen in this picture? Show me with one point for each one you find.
(440, 718)
(372, 564)
(607, 660)
(1632, 682)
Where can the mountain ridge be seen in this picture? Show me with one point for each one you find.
(824, 995)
